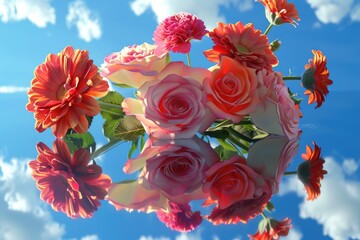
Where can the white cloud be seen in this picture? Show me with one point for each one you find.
(85, 20)
(90, 237)
(12, 89)
(153, 238)
(39, 12)
(209, 14)
(331, 11)
(355, 13)
(294, 234)
(337, 208)
(350, 166)
(20, 205)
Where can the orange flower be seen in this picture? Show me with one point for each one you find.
(279, 12)
(68, 183)
(311, 171)
(270, 229)
(243, 43)
(63, 90)
(316, 78)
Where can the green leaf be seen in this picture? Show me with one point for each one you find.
(128, 129)
(223, 153)
(226, 145)
(109, 127)
(222, 134)
(110, 106)
(133, 147)
(76, 141)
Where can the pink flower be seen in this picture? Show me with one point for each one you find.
(68, 183)
(231, 90)
(176, 168)
(232, 181)
(133, 65)
(277, 114)
(180, 217)
(175, 33)
(241, 211)
(243, 43)
(174, 105)
(63, 92)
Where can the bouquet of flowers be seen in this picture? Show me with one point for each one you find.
(224, 134)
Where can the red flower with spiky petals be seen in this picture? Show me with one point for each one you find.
(311, 171)
(280, 11)
(243, 43)
(316, 78)
(270, 229)
(68, 183)
(63, 92)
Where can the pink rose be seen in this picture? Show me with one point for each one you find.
(232, 181)
(174, 105)
(232, 90)
(175, 168)
(277, 114)
(133, 65)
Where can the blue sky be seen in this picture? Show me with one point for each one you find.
(30, 29)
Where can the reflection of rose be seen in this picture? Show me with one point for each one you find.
(278, 113)
(175, 168)
(174, 106)
(231, 181)
(232, 90)
(133, 65)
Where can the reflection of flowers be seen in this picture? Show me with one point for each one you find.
(180, 217)
(63, 90)
(316, 79)
(270, 228)
(133, 65)
(311, 171)
(243, 43)
(174, 33)
(67, 182)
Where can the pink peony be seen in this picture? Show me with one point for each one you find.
(231, 90)
(175, 33)
(173, 106)
(180, 217)
(232, 181)
(133, 65)
(277, 114)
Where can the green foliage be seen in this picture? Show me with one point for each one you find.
(76, 141)
(224, 153)
(110, 106)
(128, 129)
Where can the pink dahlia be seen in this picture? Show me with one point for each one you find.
(174, 33)
(68, 183)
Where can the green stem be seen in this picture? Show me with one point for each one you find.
(268, 29)
(188, 59)
(290, 173)
(239, 135)
(291, 78)
(263, 215)
(105, 148)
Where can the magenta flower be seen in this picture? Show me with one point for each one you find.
(180, 217)
(174, 33)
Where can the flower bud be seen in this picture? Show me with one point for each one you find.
(275, 45)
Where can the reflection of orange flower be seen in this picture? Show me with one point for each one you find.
(270, 228)
(279, 11)
(316, 78)
(63, 90)
(243, 43)
(69, 184)
(311, 171)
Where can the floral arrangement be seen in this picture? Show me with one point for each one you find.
(224, 134)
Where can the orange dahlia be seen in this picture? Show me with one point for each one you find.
(279, 12)
(63, 90)
(311, 171)
(270, 229)
(68, 183)
(243, 43)
(316, 78)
